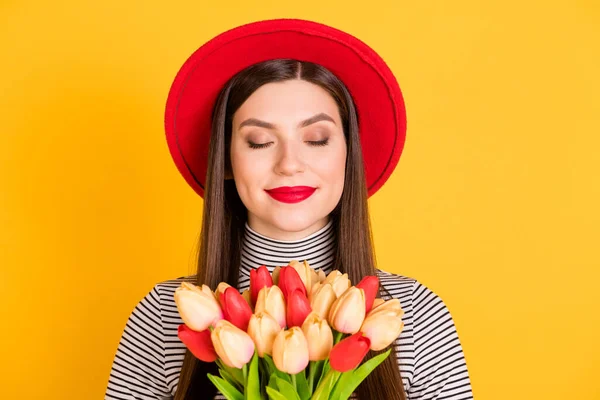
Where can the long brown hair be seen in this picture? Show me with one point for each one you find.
(225, 215)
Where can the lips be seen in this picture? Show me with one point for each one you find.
(291, 194)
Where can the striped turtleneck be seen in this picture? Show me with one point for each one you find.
(318, 249)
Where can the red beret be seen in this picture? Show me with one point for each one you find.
(377, 96)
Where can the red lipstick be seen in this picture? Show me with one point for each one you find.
(291, 194)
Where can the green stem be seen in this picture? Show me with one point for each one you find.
(338, 337)
(312, 369)
(294, 382)
(245, 372)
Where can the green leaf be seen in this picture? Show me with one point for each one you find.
(274, 394)
(227, 376)
(263, 367)
(274, 371)
(287, 389)
(324, 371)
(317, 371)
(253, 383)
(327, 384)
(226, 388)
(351, 379)
(264, 379)
(269, 364)
(273, 382)
(302, 386)
(236, 373)
(344, 381)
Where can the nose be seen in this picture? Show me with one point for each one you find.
(289, 159)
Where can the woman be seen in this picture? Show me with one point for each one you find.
(285, 179)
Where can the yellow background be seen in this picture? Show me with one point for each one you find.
(494, 205)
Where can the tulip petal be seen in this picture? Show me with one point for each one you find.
(290, 351)
(276, 275)
(298, 308)
(319, 337)
(322, 299)
(348, 354)
(233, 346)
(263, 329)
(259, 278)
(383, 324)
(271, 301)
(304, 272)
(370, 284)
(199, 343)
(197, 307)
(289, 280)
(235, 309)
(347, 313)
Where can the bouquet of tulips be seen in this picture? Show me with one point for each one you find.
(296, 334)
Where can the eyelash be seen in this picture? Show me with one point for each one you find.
(264, 145)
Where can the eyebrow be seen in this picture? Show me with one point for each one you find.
(267, 125)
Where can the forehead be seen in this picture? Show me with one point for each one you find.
(288, 100)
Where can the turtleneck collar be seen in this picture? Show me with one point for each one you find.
(318, 249)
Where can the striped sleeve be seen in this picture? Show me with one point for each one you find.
(440, 369)
(138, 367)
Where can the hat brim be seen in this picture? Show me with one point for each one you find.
(376, 93)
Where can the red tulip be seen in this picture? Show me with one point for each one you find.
(235, 309)
(347, 354)
(289, 280)
(370, 284)
(199, 343)
(298, 308)
(259, 278)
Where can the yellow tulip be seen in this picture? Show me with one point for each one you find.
(322, 298)
(263, 329)
(233, 346)
(321, 275)
(314, 278)
(197, 307)
(393, 304)
(305, 272)
(348, 312)
(246, 296)
(338, 281)
(313, 290)
(319, 337)
(290, 351)
(383, 324)
(271, 301)
(275, 275)
(377, 302)
(332, 275)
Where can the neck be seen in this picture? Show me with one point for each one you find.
(318, 249)
(272, 232)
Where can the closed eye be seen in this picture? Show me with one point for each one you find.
(258, 145)
(316, 143)
(323, 142)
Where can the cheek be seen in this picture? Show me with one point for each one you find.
(332, 167)
(249, 171)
